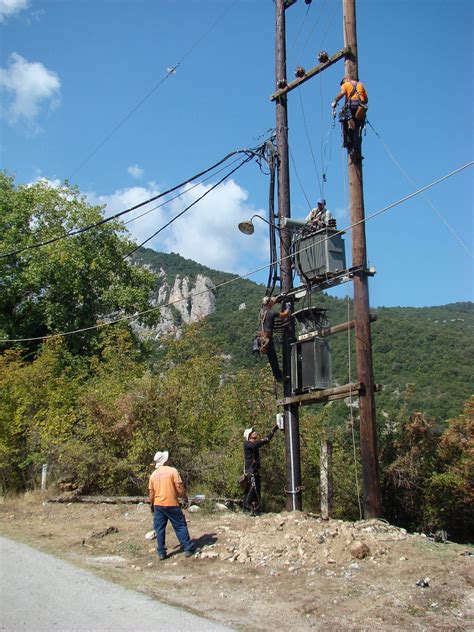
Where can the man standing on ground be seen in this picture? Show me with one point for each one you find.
(252, 445)
(165, 487)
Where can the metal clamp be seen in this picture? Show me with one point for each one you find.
(296, 491)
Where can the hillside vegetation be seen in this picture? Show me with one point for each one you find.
(420, 354)
(95, 405)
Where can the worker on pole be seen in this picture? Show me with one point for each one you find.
(267, 323)
(352, 115)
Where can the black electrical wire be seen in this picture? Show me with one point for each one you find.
(175, 197)
(243, 162)
(299, 180)
(253, 152)
(273, 268)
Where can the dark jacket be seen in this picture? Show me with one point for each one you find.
(268, 321)
(252, 453)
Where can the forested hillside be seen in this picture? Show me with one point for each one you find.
(422, 355)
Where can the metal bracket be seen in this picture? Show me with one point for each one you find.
(298, 490)
(342, 277)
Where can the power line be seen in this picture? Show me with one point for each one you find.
(299, 31)
(299, 180)
(247, 274)
(298, 57)
(243, 162)
(254, 152)
(450, 228)
(169, 72)
(310, 144)
(175, 197)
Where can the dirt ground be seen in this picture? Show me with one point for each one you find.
(289, 571)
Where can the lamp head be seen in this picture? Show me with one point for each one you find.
(247, 227)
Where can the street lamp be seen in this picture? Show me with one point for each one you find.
(248, 228)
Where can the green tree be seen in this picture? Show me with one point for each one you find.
(69, 284)
(406, 478)
(451, 488)
(38, 410)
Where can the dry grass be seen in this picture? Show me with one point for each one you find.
(256, 573)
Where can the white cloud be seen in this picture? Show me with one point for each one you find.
(207, 233)
(53, 184)
(10, 7)
(135, 171)
(30, 85)
(123, 199)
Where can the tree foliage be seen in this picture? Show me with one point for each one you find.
(69, 284)
(96, 406)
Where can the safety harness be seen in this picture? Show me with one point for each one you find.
(354, 108)
(262, 335)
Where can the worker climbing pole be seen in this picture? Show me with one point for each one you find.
(352, 115)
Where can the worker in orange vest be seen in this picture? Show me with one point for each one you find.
(352, 116)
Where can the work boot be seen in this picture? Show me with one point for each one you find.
(189, 553)
(162, 556)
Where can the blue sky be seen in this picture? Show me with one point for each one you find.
(71, 71)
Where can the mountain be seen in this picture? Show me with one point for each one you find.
(420, 355)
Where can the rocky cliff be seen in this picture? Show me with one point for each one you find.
(185, 301)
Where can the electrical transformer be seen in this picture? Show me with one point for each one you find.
(310, 365)
(310, 354)
(320, 254)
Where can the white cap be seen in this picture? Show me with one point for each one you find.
(160, 458)
(247, 433)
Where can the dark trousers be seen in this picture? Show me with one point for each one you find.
(161, 515)
(252, 496)
(273, 361)
(351, 130)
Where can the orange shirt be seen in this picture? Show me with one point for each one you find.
(166, 486)
(359, 95)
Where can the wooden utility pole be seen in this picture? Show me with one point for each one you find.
(368, 434)
(292, 433)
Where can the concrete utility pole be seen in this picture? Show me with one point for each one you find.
(292, 433)
(368, 433)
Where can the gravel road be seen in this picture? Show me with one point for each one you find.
(42, 593)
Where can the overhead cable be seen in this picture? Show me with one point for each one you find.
(442, 218)
(169, 72)
(180, 194)
(78, 231)
(173, 219)
(247, 274)
(300, 54)
(310, 206)
(310, 144)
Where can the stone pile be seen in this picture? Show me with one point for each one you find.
(296, 540)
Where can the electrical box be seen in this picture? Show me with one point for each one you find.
(280, 421)
(320, 254)
(310, 365)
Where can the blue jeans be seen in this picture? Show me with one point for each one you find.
(161, 515)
